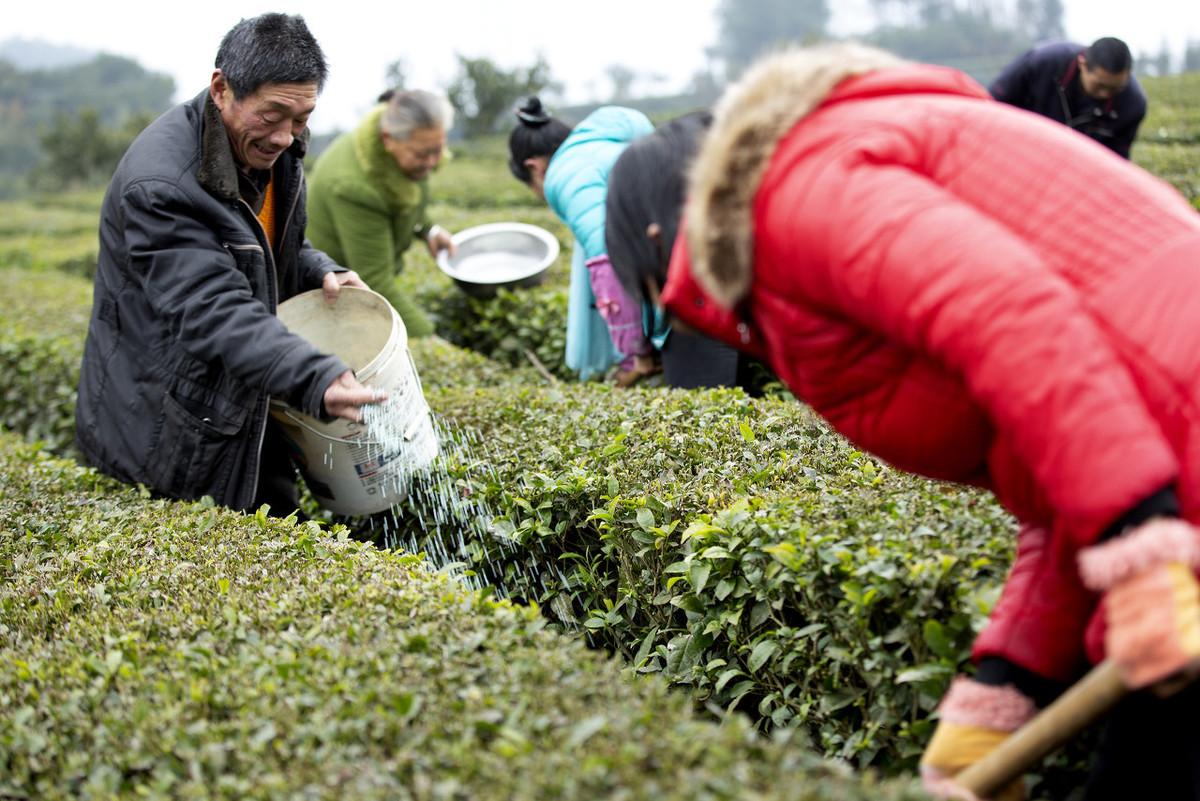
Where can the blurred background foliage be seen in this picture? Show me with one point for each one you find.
(66, 116)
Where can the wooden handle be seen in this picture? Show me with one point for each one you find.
(1078, 707)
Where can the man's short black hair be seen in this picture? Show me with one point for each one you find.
(1109, 54)
(271, 48)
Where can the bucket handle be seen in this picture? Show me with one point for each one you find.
(416, 374)
(287, 412)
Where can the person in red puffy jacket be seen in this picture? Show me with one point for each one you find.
(885, 236)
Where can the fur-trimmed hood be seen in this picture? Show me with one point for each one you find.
(749, 120)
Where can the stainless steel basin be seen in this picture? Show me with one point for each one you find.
(499, 255)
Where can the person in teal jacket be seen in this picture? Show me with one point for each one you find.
(569, 168)
(368, 191)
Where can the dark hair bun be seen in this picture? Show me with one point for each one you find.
(532, 113)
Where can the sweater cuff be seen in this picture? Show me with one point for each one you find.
(969, 703)
(1158, 542)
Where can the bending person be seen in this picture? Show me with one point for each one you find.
(368, 194)
(880, 232)
(1090, 89)
(568, 168)
(645, 199)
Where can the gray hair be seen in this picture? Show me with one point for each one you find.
(271, 48)
(414, 109)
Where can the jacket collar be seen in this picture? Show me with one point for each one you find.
(748, 122)
(218, 169)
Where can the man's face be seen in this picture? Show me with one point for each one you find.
(419, 153)
(1099, 83)
(264, 124)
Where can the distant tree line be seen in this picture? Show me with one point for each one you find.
(70, 125)
(1164, 63)
(977, 36)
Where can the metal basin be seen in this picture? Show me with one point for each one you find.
(499, 255)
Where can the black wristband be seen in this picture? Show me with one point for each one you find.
(1164, 503)
(996, 671)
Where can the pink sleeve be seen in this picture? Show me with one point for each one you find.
(623, 315)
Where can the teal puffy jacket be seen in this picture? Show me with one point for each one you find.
(577, 178)
(576, 187)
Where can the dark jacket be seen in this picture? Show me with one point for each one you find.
(1045, 80)
(183, 349)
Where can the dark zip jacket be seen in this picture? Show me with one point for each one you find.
(1045, 80)
(183, 349)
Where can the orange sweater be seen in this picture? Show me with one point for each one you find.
(267, 215)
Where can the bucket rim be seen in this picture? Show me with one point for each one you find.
(397, 335)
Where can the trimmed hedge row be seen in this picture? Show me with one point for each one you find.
(735, 546)
(1168, 142)
(41, 343)
(180, 651)
(514, 328)
(42, 329)
(50, 232)
(839, 600)
(477, 177)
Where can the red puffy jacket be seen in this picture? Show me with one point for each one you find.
(965, 289)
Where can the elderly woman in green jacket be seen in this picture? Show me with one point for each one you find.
(368, 191)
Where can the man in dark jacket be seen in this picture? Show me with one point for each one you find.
(1090, 89)
(201, 236)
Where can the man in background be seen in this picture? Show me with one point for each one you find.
(1090, 89)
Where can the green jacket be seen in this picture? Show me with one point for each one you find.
(364, 212)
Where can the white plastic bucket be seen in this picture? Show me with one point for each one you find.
(349, 469)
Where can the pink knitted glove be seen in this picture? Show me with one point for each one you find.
(1151, 599)
(623, 315)
(975, 718)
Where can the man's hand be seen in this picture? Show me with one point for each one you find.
(333, 282)
(345, 397)
(439, 239)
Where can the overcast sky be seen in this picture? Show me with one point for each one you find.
(579, 39)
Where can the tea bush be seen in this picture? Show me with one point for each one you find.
(514, 328)
(513, 324)
(159, 650)
(736, 546)
(1169, 139)
(589, 493)
(51, 232)
(477, 177)
(1172, 112)
(41, 343)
